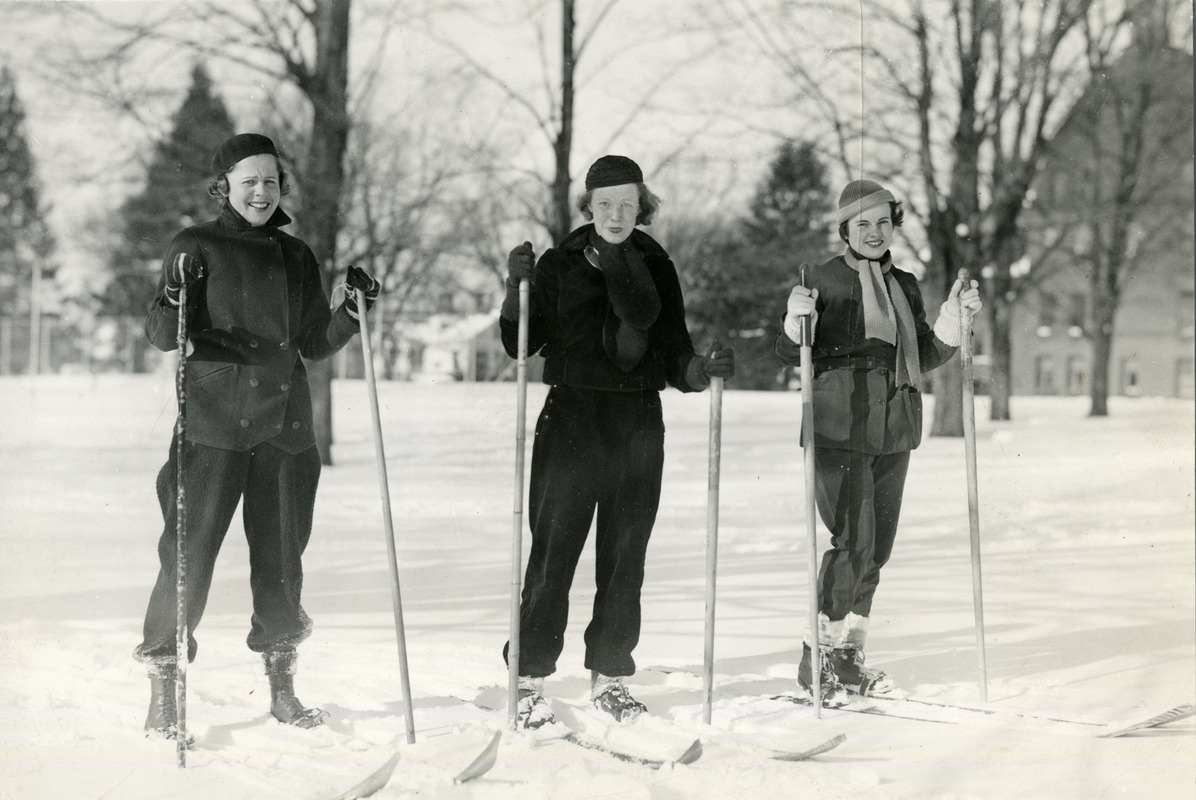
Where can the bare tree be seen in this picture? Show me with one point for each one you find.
(296, 45)
(551, 105)
(957, 101)
(1135, 127)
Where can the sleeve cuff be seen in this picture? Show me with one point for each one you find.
(695, 375)
(946, 327)
(792, 327)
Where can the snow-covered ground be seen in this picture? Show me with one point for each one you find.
(1089, 600)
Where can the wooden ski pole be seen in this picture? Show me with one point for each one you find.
(806, 343)
(367, 353)
(969, 448)
(180, 524)
(517, 523)
(716, 428)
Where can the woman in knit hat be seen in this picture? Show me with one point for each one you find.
(607, 315)
(255, 303)
(872, 347)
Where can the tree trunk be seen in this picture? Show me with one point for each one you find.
(1102, 351)
(948, 400)
(1000, 383)
(327, 89)
(561, 218)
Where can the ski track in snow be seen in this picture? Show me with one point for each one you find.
(1089, 589)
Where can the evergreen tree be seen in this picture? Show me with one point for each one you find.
(175, 196)
(25, 238)
(738, 279)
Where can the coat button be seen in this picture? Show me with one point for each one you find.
(253, 382)
(244, 423)
(285, 387)
(295, 425)
(284, 346)
(253, 342)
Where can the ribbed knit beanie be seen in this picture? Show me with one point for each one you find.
(241, 146)
(859, 196)
(613, 171)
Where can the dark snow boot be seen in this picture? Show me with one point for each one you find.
(833, 693)
(162, 719)
(848, 664)
(610, 695)
(286, 708)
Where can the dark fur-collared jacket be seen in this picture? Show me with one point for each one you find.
(857, 404)
(259, 307)
(569, 306)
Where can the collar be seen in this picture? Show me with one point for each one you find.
(855, 260)
(232, 218)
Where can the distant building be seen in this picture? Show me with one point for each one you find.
(1152, 347)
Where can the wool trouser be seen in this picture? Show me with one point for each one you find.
(594, 451)
(278, 490)
(859, 500)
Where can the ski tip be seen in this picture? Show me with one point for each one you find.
(819, 749)
(1121, 728)
(483, 763)
(692, 754)
(373, 783)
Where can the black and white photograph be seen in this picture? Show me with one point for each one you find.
(571, 399)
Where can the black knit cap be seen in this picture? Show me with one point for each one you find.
(613, 171)
(239, 147)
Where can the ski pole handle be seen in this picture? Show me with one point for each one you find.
(806, 323)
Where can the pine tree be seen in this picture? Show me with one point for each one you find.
(737, 282)
(175, 196)
(25, 238)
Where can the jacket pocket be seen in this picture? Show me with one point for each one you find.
(905, 420)
(832, 405)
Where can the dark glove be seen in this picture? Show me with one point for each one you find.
(358, 278)
(520, 264)
(719, 362)
(182, 270)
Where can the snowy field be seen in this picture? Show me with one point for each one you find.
(1089, 591)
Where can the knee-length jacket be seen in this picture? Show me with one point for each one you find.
(857, 404)
(569, 306)
(260, 306)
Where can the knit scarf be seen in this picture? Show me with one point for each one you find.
(879, 315)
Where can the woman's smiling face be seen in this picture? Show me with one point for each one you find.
(870, 231)
(254, 188)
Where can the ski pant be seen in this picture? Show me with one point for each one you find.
(859, 500)
(278, 490)
(594, 450)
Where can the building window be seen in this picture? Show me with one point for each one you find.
(1131, 379)
(1044, 375)
(1185, 381)
(1048, 314)
(1187, 315)
(1077, 376)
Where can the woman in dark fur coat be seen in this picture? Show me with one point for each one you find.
(606, 313)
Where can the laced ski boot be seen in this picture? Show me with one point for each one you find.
(848, 666)
(833, 693)
(610, 695)
(286, 708)
(532, 710)
(162, 719)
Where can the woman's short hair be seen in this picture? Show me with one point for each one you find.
(218, 186)
(896, 214)
(649, 205)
